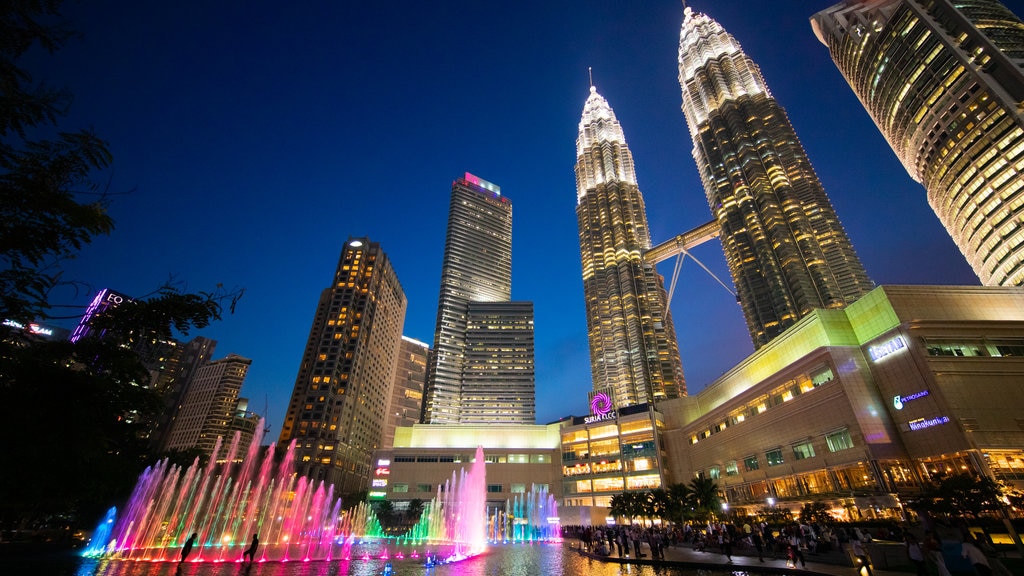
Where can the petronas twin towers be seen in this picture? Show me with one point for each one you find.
(786, 250)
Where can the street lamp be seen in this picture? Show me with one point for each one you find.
(771, 502)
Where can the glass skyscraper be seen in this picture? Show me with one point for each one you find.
(944, 83)
(481, 368)
(785, 247)
(633, 348)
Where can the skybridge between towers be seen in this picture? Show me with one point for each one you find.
(680, 246)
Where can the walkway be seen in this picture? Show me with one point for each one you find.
(712, 559)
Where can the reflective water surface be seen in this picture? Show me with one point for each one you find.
(509, 560)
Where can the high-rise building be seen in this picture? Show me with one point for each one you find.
(633, 347)
(786, 250)
(944, 83)
(406, 402)
(211, 409)
(338, 407)
(476, 279)
(498, 371)
(173, 366)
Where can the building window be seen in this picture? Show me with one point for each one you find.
(518, 488)
(518, 458)
(774, 457)
(839, 440)
(399, 487)
(803, 450)
(494, 488)
(424, 488)
(731, 469)
(751, 463)
(714, 473)
(540, 459)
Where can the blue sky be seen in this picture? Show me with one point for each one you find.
(251, 139)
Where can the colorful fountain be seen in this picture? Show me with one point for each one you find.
(532, 517)
(295, 518)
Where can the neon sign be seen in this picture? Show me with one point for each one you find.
(600, 404)
(601, 417)
(382, 471)
(921, 423)
(379, 482)
(898, 401)
(886, 348)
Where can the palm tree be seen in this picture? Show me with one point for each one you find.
(661, 504)
(705, 496)
(681, 504)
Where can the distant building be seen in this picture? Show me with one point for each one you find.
(633, 347)
(104, 300)
(520, 458)
(211, 409)
(337, 412)
(786, 249)
(944, 83)
(859, 408)
(173, 367)
(476, 288)
(406, 402)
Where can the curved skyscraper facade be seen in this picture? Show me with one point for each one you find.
(786, 249)
(944, 83)
(481, 370)
(633, 348)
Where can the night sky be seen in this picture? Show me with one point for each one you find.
(251, 139)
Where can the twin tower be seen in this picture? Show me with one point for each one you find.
(786, 250)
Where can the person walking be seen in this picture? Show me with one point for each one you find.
(975, 556)
(758, 543)
(915, 553)
(187, 548)
(861, 554)
(250, 553)
(933, 551)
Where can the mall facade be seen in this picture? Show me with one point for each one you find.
(858, 408)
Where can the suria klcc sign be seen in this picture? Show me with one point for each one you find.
(600, 409)
(886, 348)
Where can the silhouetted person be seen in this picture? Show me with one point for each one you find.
(187, 548)
(251, 552)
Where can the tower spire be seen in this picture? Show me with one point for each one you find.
(590, 72)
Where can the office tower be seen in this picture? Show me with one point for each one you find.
(337, 411)
(406, 402)
(477, 268)
(786, 250)
(172, 372)
(944, 83)
(633, 348)
(210, 409)
(104, 300)
(498, 371)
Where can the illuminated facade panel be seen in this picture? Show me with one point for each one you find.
(785, 247)
(475, 317)
(944, 83)
(337, 412)
(633, 347)
(406, 403)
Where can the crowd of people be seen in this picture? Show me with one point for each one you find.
(790, 541)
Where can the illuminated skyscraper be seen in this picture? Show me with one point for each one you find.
(406, 402)
(339, 403)
(786, 250)
(944, 83)
(479, 372)
(633, 348)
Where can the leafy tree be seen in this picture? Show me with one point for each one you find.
(816, 513)
(74, 416)
(49, 207)
(415, 511)
(385, 510)
(681, 505)
(960, 495)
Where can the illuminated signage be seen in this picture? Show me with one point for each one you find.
(33, 328)
(886, 348)
(382, 471)
(928, 422)
(379, 482)
(383, 462)
(601, 417)
(376, 495)
(600, 404)
(898, 401)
